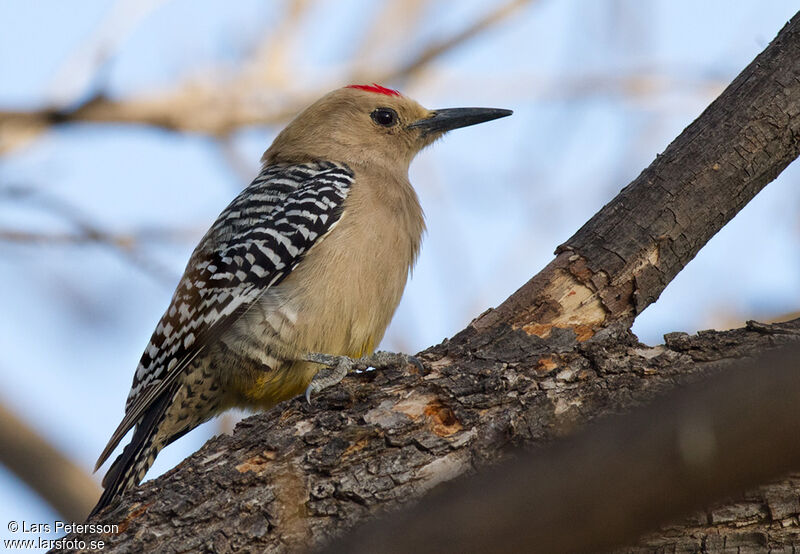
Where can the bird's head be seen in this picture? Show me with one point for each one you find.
(369, 124)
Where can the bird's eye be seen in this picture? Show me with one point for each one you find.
(385, 117)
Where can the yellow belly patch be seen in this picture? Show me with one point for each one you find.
(365, 349)
(270, 387)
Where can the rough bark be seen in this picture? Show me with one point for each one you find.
(298, 475)
(302, 473)
(761, 520)
(608, 484)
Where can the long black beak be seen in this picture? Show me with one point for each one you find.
(454, 118)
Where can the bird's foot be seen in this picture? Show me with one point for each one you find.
(339, 366)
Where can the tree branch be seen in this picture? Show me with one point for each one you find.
(126, 246)
(300, 474)
(438, 49)
(621, 260)
(620, 477)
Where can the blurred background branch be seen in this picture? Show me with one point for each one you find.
(57, 479)
(437, 49)
(127, 245)
(215, 109)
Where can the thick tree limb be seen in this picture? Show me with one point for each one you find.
(617, 479)
(621, 260)
(298, 475)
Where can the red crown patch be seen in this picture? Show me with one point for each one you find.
(376, 88)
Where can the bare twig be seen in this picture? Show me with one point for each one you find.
(438, 49)
(391, 26)
(220, 111)
(90, 232)
(84, 68)
(125, 241)
(244, 169)
(272, 57)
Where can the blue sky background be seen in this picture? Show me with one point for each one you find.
(598, 89)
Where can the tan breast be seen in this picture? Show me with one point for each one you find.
(339, 300)
(346, 289)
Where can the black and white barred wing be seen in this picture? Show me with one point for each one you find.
(254, 244)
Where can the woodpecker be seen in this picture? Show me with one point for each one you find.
(296, 281)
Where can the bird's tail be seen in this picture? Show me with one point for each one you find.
(130, 467)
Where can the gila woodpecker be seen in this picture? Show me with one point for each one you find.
(298, 276)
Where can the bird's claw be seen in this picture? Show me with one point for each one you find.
(339, 366)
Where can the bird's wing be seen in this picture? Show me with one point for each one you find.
(254, 244)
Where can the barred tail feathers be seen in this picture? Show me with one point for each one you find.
(130, 467)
